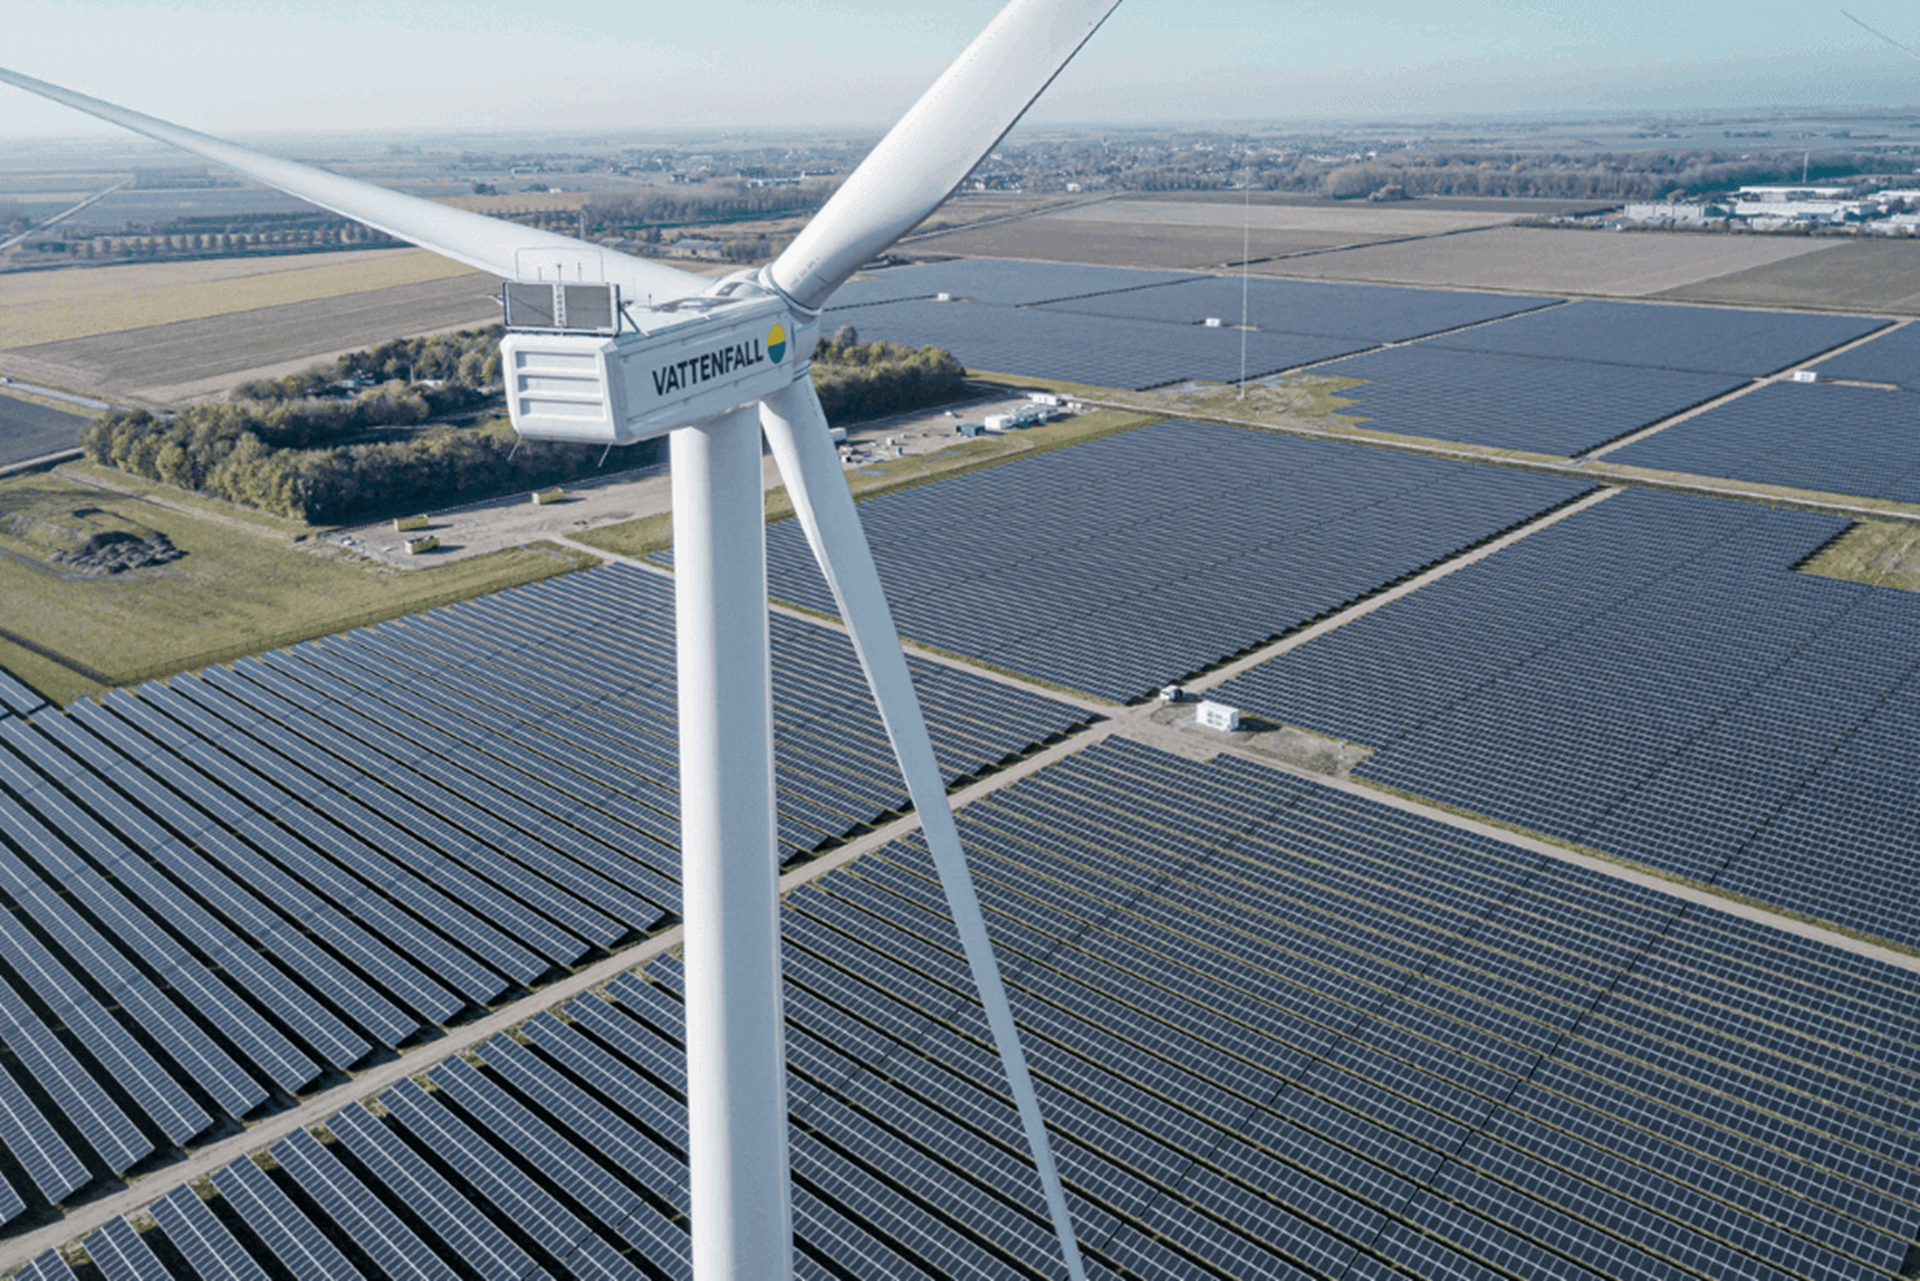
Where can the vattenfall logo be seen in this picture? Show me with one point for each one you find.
(720, 362)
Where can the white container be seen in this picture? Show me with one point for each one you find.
(1217, 716)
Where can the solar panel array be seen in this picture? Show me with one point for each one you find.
(1650, 678)
(1002, 282)
(1377, 313)
(16, 699)
(1560, 407)
(1838, 440)
(1715, 340)
(249, 877)
(1100, 351)
(1278, 1030)
(1893, 357)
(1132, 560)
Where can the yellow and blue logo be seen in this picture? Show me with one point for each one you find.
(777, 343)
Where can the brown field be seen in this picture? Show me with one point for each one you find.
(168, 362)
(1864, 275)
(1546, 260)
(1113, 244)
(52, 306)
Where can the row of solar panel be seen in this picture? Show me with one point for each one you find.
(1558, 407)
(1132, 560)
(1098, 351)
(1279, 1029)
(1893, 357)
(1709, 340)
(16, 699)
(1840, 440)
(255, 875)
(1651, 678)
(1504, 372)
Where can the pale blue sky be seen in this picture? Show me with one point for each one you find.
(245, 66)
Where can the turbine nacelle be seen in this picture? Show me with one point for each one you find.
(624, 375)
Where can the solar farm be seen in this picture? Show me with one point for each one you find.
(1051, 568)
(1597, 955)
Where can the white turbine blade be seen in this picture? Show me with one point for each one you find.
(491, 244)
(938, 142)
(1883, 35)
(796, 430)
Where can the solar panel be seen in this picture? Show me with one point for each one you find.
(1658, 336)
(1376, 313)
(48, 1267)
(1560, 407)
(1759, 675)
(483, 1167)
(1000, 281)
(121, 1255)
(1892, 357)
(202, 1239)
(1099, 351)
(474, 1239)
(1105, 567)
(299, 1246)
(1843, 440)
(37, 1146)
(365, 1219)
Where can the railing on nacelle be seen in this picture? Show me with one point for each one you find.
(582, 366)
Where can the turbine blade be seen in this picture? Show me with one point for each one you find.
(491, 244)
(1883, 35)
(796, 430)
(938, 142)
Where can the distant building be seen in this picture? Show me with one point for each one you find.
(1674, 211)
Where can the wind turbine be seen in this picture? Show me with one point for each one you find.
(708, 365)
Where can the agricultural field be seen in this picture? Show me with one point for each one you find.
(197, 585)
(166, 332)
(189, 359)
(31, 430)
(53, 306)
(147, 208)
(1111, 244)
(1536, 259)
(1181, 233)
(1864, 275)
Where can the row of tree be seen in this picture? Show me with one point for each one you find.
(721, 202)
(316, 447)
(857, 380)
(334, 484)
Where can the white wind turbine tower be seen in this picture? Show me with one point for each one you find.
(708, 364)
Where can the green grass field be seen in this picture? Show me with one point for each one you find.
(1883, 553)
(650, 534)
(239, 589)
(1869, 275)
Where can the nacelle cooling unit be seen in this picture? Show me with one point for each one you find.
(615, 385)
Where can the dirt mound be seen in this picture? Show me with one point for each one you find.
(113, 551)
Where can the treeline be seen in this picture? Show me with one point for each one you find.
(345, 482)
(467, 361)
(719, 202)
(196, 244)
(857, 380)
(286, 445)
(1634, 176)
